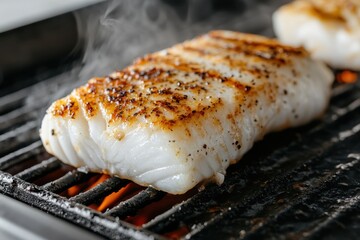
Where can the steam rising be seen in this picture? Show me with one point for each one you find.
(121, 31)
(117, 32)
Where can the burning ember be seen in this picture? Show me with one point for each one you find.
(178, 233)
(123, 194)
(82, 187)
(109, 201)
(154, 209)
(143, 215)
(346, 76)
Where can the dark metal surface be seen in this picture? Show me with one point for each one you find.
(132, 205)
(301, 183)
(21, 155)
(66, 181)
(30, 48)
(19, 221)
(39, 170)
(70, 211)
(109, 186)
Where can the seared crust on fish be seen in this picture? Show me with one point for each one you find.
(328, 29)
(181, 116)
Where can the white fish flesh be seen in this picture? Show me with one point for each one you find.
(328, 29)
(181, 116)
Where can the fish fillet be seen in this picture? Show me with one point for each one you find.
(181, 116)
(328, 29)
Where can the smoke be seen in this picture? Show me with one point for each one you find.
(123, 31)
(115, 33)
(120, 31)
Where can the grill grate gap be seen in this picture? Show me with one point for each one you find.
(39, 170)
(13, 101)
(76, 213)
(16, 118)
(66, 181)
(21, 155)
(21, 136)
(340, 221)
(170, 220)
(101, 190)
(132, 205)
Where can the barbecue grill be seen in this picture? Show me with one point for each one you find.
(303, 183)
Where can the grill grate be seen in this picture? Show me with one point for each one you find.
(39, 170)
(102, 190)
(130, 206)
(301, 183)
(66, 181)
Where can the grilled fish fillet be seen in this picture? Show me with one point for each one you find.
(181, 116)
(329, 29)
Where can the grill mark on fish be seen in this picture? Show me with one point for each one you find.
(264, 45)
(126, 101)
(66, 107)
(199, 106)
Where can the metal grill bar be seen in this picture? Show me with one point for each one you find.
(339, 222)
(16, 117)
(314, 213)
(307, 148)
(13, 100)
(346, 104)
(132, 205)
(20, 155)
(278, 183)
(170, 219)
(66, 181)
(341, 89)
(25, 134)
(39, 170)
(343, 102)
(101, 190)
(277, 216)
(71, 211)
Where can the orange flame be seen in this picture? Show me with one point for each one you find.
(178, 233)
(82, 187)
(76, 189)
(101, 179)
(156, 208)
(346, 77)
(144, 215)
(116, 197)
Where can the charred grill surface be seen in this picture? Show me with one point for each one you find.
(302, 183)
(130, 206)
(66, 181)
(102, 190)
(39, 170)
